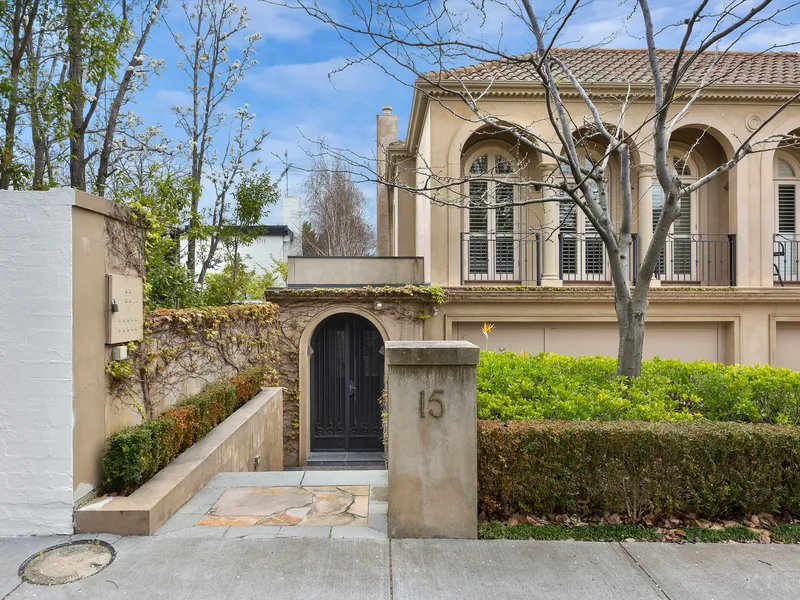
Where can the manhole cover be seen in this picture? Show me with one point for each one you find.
(68, 562)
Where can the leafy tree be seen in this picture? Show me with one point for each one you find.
(16, 25)
(236, 223)
(165, 207)
(236, 284)
(213, 76)
(82, 55)
(97, 36)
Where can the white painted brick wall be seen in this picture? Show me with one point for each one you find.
(36, 362)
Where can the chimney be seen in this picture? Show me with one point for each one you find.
(386, 134)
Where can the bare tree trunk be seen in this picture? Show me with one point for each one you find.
(38, 135)
(39, 145)
(116, 104)
(24, 13)
(77, 150)
(631, 313)
(191, 246)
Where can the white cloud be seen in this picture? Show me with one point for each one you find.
(323, 77)
(766, 36)
(172, 98)
(279, 22)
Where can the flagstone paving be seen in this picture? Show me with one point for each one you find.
(351, 504)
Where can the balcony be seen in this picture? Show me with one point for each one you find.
(516, 258)
(506, 258)
(699, 259)
(786, 258)
(583, 258)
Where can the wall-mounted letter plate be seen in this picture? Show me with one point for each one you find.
(125, 306)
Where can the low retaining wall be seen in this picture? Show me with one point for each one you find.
(256, 429)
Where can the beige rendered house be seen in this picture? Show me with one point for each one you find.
(728, 281)
(727, 287)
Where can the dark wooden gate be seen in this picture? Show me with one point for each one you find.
(346, 383)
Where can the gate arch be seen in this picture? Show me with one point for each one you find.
(347, 377)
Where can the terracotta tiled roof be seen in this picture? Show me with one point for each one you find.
(607, 65)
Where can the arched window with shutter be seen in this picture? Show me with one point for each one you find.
(786, 175)
(677, 261)
(491, 254)
(583, 256)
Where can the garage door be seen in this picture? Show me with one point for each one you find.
(684, 341)
(787, 345)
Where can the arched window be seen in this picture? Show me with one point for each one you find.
(583, 256)
(786, 175)
(492, 217)
(677, 260)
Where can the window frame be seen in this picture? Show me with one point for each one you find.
(786, 264)
(491, 238)
(584, 240)
(668, 259)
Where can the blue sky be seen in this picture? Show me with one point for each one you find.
(296, 95)
(290, 90)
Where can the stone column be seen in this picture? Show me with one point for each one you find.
(433, 462)
(645, 230)
(550, 221)
(645, 190)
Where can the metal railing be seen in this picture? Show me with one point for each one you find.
(501, 258)
(583, 257)
(700, 259)
(786, 257)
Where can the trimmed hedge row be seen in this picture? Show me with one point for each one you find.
(137, 453)
(592, 468)
(548, 386)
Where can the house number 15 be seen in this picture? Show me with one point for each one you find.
(433, 399)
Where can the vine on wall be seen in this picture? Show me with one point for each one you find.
(299, 307)
(185, 349)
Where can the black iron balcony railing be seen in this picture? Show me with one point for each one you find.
(700, 259)
(583, 257)
(501, 258)
(786, 257)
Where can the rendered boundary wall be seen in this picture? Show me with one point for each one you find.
(36, 355)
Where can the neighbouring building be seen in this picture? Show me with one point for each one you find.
(728, 286)
(273, 242)
(278, 242)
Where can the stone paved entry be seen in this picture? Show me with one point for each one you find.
(351, 504)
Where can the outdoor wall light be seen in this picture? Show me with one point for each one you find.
(378, 305)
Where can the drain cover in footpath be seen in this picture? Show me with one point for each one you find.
(68, 562)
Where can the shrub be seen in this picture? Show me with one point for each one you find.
(546, 386)
(211, 406)
(137, 453)
(185, 424)
(247, 383)
(590, 468)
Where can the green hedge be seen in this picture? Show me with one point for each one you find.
(137, 453)
(590, 468)
(547, 386)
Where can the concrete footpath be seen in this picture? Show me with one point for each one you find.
(182, 565)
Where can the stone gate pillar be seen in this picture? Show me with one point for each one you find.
(433, 472)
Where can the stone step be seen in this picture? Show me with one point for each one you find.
(346, 459)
